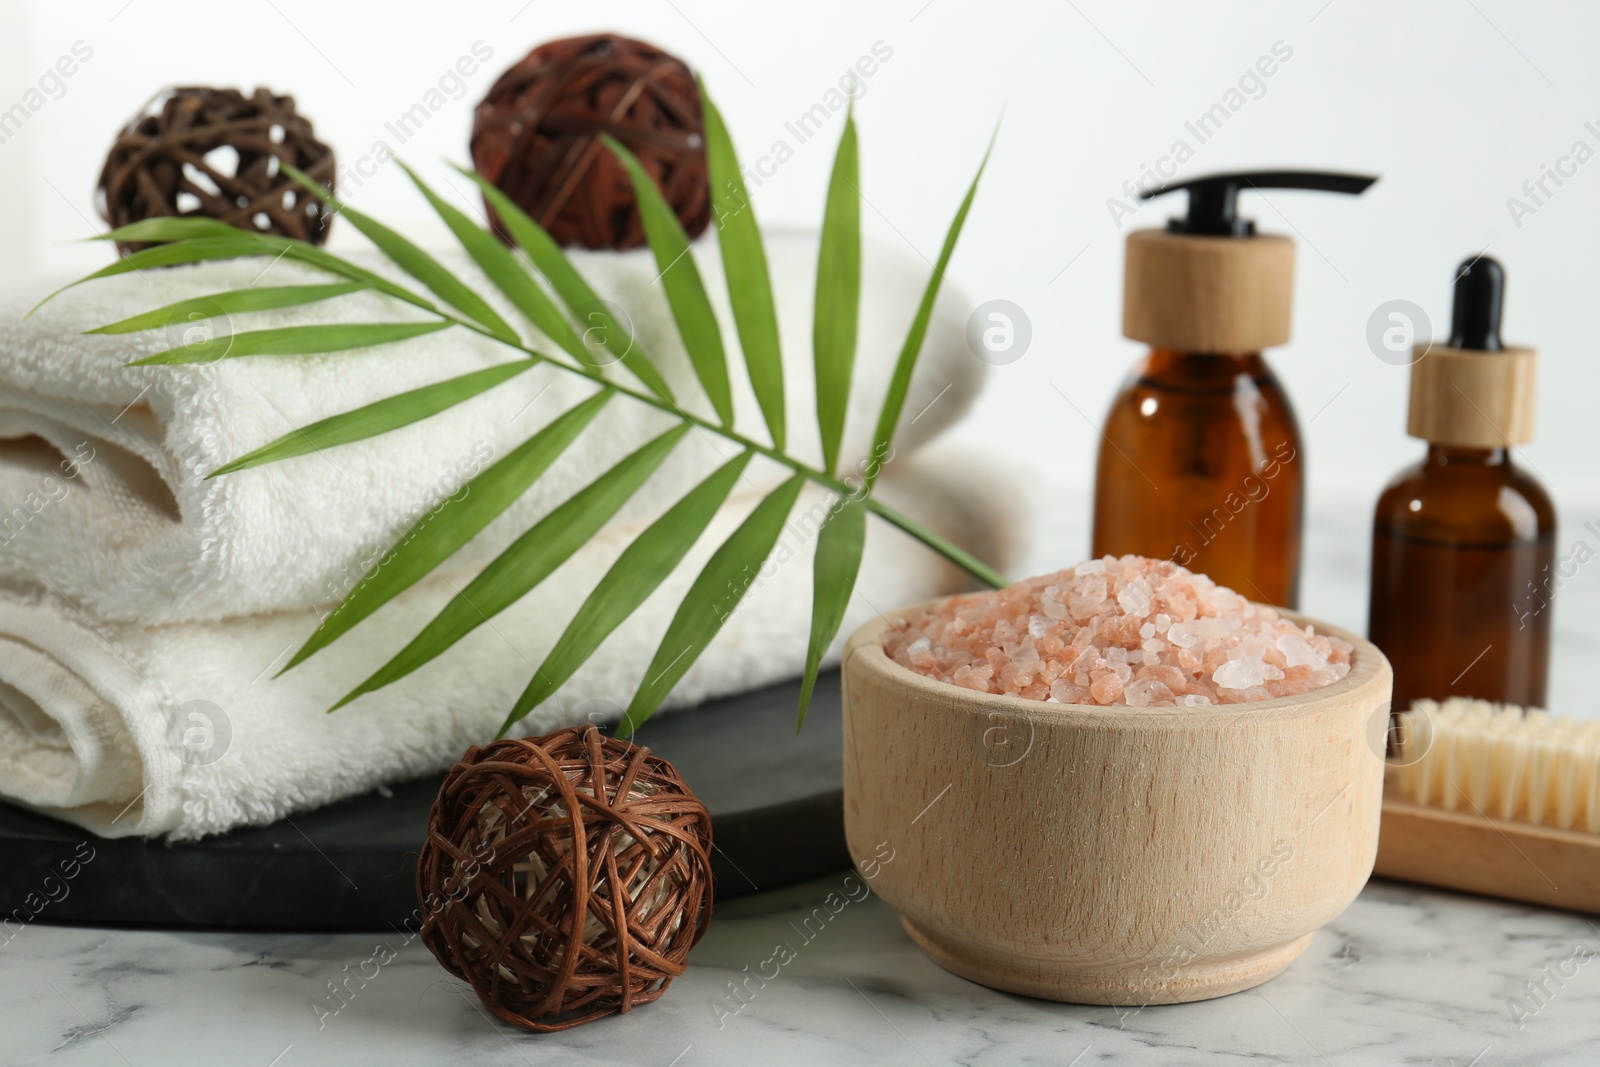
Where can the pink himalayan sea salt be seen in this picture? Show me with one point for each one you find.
(1131, 631)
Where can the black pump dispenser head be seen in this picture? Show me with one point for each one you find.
(1214, 198)
(1480, 293)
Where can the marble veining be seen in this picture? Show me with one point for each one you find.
(1407, 975)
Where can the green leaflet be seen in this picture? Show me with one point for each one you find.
(838, 304)
(834, 569)
(236, 302)
(417, 263)
(642, 567)
(293, 341)
(680, 278)
(312, 256)
(379, 417)
(207, 239)
(437, 535)
(900, 382)
(711, 600)
(582, 301)
(502, 268)
(195, 251)
(171, 228)
(744, 265)
(529, 560)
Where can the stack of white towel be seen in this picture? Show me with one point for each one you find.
(145, 611)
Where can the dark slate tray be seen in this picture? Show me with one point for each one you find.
(775, 799)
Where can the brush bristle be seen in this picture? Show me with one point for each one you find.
(1500, 761)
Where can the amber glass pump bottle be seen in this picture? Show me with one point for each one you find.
(1201, 460)
(1463, 542)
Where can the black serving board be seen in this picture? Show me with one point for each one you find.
(775, 798)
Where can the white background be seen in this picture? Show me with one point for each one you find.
(1454, 104)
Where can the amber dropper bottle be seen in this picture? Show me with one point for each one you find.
(1201, 460)
(1463, 542)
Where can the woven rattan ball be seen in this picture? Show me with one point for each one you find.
(216, 153)
(565, 877)
(536, 136)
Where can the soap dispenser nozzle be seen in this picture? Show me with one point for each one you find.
(1214, 198)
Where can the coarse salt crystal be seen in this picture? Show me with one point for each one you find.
(1297, 652)
(1134, 598)
(1241, 673)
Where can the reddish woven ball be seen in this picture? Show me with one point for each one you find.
(536, 136)
(216, 153)
(565, 877)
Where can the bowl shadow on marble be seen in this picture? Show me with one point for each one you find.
(1112, 855)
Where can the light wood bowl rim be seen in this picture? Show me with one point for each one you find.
(864, 651)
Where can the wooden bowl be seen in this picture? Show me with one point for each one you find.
(1098, 855)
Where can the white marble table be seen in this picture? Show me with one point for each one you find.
(1406, 975)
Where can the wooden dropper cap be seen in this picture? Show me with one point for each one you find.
(1209, 282)
(1473, 391)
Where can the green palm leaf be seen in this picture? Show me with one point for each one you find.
(598, 323)
(436, 536)
(744, 265)
(502, 268)
(236, 302)
(293, 341)
(833, 579)
(415, 262)
(838, 303)
(379, 417)
(711, 600)
(556, 300)
(528, 561)
(642, 567)
(680, 278)
(894, 400)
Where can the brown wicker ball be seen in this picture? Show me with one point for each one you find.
(536, 136)
(565, 877)
(215, 153)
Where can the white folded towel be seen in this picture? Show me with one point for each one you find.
(103, 500)
(182, 730)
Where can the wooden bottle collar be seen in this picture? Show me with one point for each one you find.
(1208, 294)
(1471, 398)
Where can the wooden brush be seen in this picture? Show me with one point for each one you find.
(1491, 799)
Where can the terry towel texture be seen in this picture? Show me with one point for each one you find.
(144, 609)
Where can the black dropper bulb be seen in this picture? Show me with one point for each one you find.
(1480, 293)
(1214, 198)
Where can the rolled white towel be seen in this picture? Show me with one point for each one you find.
(183, 730)
(103, 497)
